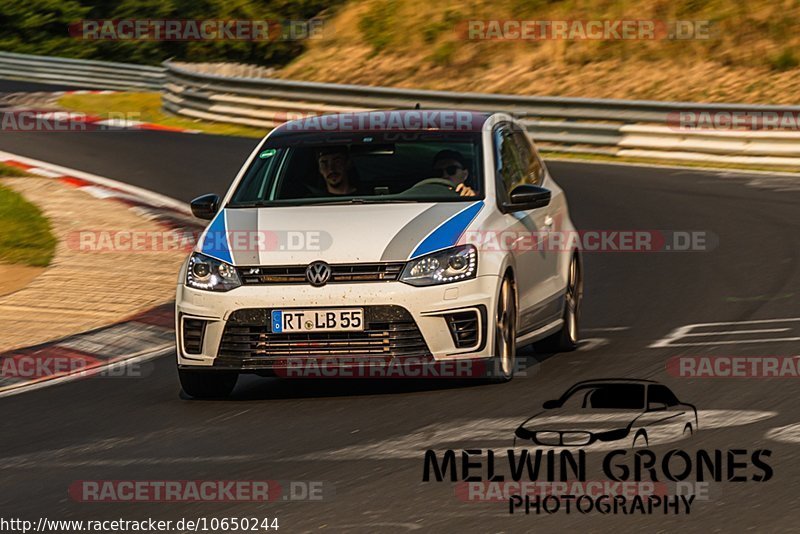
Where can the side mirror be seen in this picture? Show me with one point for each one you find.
(551, 404)
(656, 406)
(205, 207)
(528, 197)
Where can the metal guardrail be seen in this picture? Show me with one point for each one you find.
(582, 125)
(81, 72)
(246, 95)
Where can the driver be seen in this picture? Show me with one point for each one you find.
(451, 165)
(333, 164)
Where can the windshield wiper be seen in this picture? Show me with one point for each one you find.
(349, 201)
(256, 204)
(359, 200)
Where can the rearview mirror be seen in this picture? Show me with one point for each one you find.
(656, 406)
(205, 207)
(527, 197)
(549, 405)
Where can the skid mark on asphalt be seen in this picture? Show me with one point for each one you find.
(591, 343)
(500, 432)
(785, 434)
(772, 181)
(90, 454)
(732, 333)
(775, 183)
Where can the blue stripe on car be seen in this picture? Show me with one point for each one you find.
(215, 242)
(449, 232)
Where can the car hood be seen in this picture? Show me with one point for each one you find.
(352, 233)
(560, 420)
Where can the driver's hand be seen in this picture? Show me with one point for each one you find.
(464, 190)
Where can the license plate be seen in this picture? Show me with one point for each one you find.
(344, 320)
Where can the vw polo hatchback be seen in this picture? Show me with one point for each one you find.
(379, 238)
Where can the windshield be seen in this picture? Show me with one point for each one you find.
(606, 396)
(308, 169)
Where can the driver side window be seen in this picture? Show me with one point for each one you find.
(661, 394)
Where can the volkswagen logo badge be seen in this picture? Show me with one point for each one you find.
(318, 273)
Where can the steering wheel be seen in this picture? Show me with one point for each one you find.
(443, 182)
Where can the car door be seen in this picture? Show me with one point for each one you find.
(551, 250)
(521, 230)
(666, 418)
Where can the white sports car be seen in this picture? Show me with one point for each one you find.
(374, 239)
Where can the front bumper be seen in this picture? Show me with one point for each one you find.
(427, 307)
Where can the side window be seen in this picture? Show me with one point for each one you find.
(662, 394)
(533, 169)
(510, 170)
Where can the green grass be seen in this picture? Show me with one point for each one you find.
(25, 234)
(7, 170)
(146, 107)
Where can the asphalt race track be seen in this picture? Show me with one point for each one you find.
(365, 440)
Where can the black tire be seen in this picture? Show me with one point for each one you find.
(568, 336)
(207, 384)
(505, 322)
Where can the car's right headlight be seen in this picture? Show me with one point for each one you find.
(442, 267)
(205, 272)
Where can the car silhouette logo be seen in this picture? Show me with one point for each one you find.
(318, 273)
(629, 412)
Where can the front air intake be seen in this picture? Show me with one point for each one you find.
(464, 327)
(193, 332)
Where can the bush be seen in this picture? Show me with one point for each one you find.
(41, 27)
(786, 60)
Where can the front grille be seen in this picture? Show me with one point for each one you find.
(296, 274)
(248, 341)
(568, 438)
(193, 331)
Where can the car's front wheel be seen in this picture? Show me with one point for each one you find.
(505, 338)
(566, 339)
(207, 384)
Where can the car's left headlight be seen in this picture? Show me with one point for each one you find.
(442, 267)
(205, 272)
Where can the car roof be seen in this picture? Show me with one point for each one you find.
(615, 381)
(434, 120)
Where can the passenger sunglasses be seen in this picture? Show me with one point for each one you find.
(447, 171)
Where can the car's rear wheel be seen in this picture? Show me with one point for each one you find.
(505, 338)
(567, 338)
(207, 384)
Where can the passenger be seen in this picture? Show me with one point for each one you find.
(451, 165)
